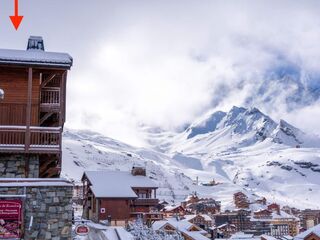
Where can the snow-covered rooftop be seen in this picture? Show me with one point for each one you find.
(242, 236)
(171, 207)
(192, 216)
(315, 230)
(267, 237)
(117, 184)
(34, 57)
(183, 226)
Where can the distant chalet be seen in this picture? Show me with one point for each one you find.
(32, 109)
(119, 196)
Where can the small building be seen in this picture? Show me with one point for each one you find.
(240, 218)
(262, 201)
(204, 206)
(203, 221)
(162, 204)
(77, 197)
(192, 198)
(274, 207)
(188, 230)
(309, 218)
(241, 200)
(243, 236)
(262, 214)
(119, 196)
(272, 221)
(173, 210)
(225, 230)
(311, 234)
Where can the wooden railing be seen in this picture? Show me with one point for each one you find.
(50, 96)
(145, 201)
(34, 140)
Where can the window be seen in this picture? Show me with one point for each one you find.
(142, 195)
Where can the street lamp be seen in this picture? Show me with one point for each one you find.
(1, 94)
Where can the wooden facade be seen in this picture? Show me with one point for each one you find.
(33, 108)
(100, 203)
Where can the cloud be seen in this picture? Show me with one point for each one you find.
(169, 62)
(163, 63)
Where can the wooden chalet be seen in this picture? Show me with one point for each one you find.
(203, 221)
(174, 210)
(119, 196)
(241, 200)
(310, 234)
(274, 207)
(186, 229)
(225, 230)
(262, 214)
(33, 104)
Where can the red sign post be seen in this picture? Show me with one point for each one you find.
(10, 219)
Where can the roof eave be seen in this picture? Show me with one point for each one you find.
(66, 66)
(100, 197)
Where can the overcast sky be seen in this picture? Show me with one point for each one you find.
(163, 63)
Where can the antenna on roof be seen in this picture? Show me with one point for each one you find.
(35, 43)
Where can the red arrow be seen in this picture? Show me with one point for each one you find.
(16, 19)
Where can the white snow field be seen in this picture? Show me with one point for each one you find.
(242, 149)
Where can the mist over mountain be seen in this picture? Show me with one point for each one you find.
(242, 149)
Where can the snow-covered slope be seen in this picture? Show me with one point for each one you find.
(242, 149)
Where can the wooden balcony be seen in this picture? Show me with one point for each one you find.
(147, 217)
(18, 139)
(50, 99)
(145, 202)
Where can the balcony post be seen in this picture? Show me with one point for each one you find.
(62, 98)
(28, 113)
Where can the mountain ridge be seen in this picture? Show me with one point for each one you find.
(242, 150)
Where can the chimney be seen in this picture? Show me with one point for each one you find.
(138, 171)
(35, 43)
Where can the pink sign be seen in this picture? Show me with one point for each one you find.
(10, 218)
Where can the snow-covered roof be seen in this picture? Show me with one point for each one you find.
(157, 225)
(117, 233)
(192, 216)
(286, 237)
(242, 236)
(283, 216)
(116, 184)
(183, 226)
(315, 230)
(34, 57)
(267, 237)
(224, 225)
(108, 232)
(171, 207)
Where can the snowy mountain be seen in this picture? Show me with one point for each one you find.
(242, 149)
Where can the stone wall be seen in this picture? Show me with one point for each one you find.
(51, 208)
(14, 166)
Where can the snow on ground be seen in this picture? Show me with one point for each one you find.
(241, 150)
